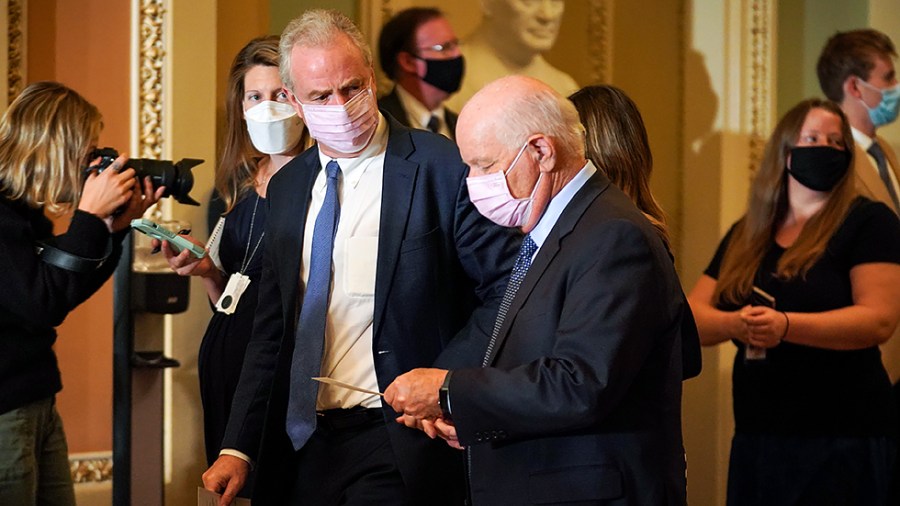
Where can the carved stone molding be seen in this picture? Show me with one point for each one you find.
(761, 15)
(599, 50)
(91, 468)
(151, 62)
(15, 73)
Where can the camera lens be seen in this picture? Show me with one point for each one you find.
(175, 176)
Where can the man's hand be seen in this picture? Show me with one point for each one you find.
(439, 427)
(227, 477)
(415, 393)
(447, 432)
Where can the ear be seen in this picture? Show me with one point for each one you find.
(407, 63)
(544, 150)
(292, 99)
(851, 87)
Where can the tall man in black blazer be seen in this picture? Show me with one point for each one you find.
(419, 51)
(579, 396)
(408, 265)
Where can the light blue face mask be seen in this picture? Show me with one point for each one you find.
(886, 110)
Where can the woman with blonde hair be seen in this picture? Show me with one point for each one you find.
(262, 134)
(616, 141)
(807, 285)
(46, 137)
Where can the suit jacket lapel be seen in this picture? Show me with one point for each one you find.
(564, 226)
(894, 167)
(867, 175)
(450, 117)
(391, 104)
(304, 173)
(396, 201)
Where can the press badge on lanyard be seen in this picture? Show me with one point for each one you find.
(236, 286)
(238, 282)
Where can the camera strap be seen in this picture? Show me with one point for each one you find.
(52, 255)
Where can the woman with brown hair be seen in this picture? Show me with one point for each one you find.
(616, 142)
(46, 137)
(262, 134)
(807, 285)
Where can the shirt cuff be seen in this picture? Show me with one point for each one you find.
(235, 453)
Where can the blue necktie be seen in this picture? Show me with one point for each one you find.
(523, 262)
(881, 161)
(310, 335)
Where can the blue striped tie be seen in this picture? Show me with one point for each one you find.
(310, 335)
(523, 262)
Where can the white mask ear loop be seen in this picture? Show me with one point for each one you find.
(516, 159)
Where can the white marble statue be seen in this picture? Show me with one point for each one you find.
(510, 40)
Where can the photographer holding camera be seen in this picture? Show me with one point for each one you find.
(46, 137)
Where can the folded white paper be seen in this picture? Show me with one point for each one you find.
(329, 381)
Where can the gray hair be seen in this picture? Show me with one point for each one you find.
(317, 28)
(542, 111)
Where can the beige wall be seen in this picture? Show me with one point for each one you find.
(805, 28)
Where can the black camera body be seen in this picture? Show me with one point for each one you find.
(175, 176)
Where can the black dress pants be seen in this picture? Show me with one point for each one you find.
(348, 461)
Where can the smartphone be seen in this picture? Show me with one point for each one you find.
(177, 242)
(759, 297)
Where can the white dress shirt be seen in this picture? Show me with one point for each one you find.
(347, 353)
(558, 204)
(419, 115)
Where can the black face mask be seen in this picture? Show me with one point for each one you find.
(819, 168)
(445, 75)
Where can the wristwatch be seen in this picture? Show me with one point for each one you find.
(444, 396)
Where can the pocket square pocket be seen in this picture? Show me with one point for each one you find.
(360, 258)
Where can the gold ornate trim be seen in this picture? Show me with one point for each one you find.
(15, 73)
(151, 62)
(91, 468)
(600, 40)
(761, 64)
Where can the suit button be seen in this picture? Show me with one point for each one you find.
(502, 433)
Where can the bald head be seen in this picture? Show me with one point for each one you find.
(512, 108)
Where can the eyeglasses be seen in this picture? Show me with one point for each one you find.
(445, 47)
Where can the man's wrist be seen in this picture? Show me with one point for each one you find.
(237, 453)
(444, 397)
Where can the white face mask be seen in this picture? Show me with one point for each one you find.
(274, 127)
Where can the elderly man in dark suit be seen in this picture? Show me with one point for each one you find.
(578, 399)
(419, 51)
(375, 260)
